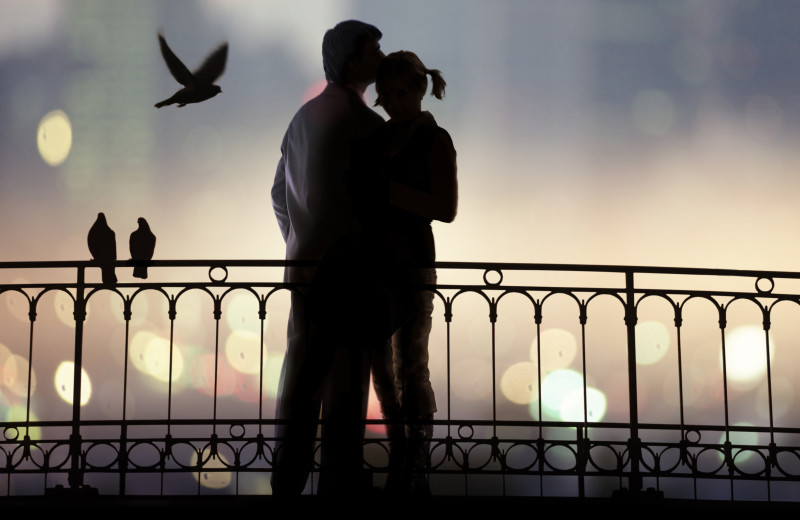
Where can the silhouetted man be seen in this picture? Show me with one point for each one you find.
(314, 212)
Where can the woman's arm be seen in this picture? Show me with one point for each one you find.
(442, 203)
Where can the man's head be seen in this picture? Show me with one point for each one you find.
(350, 52)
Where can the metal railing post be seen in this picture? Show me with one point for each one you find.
(75, 477)
(635, 479)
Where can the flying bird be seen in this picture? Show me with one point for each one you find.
(198, 85)
(103, 247)
(142, 244)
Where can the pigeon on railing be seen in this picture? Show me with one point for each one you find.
(199, 85)
(103, 247)
(142, 244)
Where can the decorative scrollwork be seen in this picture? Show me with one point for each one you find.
(496, 272)
(765, 285)
(486, 445)
(217, 274)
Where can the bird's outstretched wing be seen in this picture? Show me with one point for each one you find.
(213, 66)
(175, 65)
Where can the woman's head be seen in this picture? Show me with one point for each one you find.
(401, 83)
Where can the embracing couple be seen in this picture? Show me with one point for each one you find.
(356, 194)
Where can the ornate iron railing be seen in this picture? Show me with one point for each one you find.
(551, 380)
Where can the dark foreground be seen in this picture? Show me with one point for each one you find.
(422, 507)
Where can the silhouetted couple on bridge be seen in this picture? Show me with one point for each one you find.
(358, 194)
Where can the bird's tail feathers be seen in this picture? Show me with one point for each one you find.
(109, 276)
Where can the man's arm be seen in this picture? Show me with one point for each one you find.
(279, 204)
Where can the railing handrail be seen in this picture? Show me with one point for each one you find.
(610, 268)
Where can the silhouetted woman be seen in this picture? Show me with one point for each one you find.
(416, 161)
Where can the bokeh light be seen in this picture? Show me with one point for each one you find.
(19, 413)
(212, 479)
(247, 388)
(572, 408)
(746, 354)
(15, 375)
(563, 398)
(206, 373)
(65, 383)
(556, 386)
(54, 137)
(558, 348)
(740, 438)
(157, 360)
(242, 313)
(16, 303)
(5, 353)
(65, 309)
(138, 347)
(243, 351)
(518, 382)
(150, 354)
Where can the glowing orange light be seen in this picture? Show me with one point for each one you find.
(228, 380)
(247, 389)
(374, 413)
(314, 90)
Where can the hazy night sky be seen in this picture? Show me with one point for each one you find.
(612, 132)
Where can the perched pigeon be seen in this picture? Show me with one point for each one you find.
(199, 85)
(142, 243)
(103, 246)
